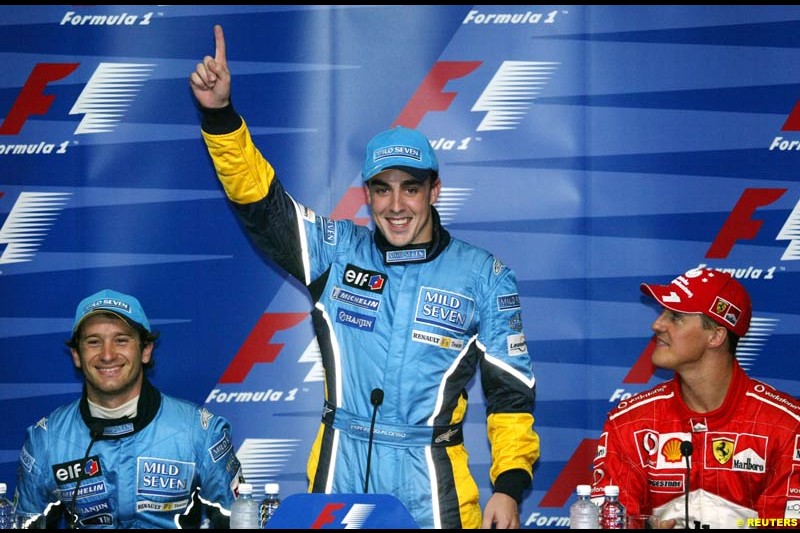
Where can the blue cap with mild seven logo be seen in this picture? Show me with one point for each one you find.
(123, 305)
(401, 148)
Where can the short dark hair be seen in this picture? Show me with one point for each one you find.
(732, 338)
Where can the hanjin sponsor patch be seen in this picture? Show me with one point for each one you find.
(355, 320)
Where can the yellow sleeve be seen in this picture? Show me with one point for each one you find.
(244, 173)
(514, 443)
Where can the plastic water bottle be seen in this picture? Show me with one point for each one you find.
(583, 514)
(244, 511)
(612, 513)
(270, 503)
(6, 509)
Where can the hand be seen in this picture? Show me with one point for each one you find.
(211, 80)
(501, 512)
(663, 524)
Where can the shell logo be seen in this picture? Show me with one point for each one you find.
(672, 450)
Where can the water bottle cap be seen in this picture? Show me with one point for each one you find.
(272, 488)
(611, 490)
(245, 488)
(584, 490)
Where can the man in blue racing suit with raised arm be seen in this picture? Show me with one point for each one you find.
(406, 312)
(124, 455)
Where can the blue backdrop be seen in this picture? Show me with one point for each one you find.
(589, 147)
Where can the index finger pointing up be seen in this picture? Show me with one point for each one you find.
(219, 39)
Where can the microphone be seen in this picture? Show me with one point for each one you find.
(95, 432)
(376, 399)
(686, 452)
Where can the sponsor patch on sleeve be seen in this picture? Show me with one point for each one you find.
(220, 448)
(508, 302)
(328, 229)
(498, 266)
(600, 454)
(793, 486)
(26, 459)
(515, 321)
(308, 214)
(517, 344)
(796, 452)
(205, 417)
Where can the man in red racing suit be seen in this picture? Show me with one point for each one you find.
(737, 439)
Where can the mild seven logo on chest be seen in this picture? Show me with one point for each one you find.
(445, 309)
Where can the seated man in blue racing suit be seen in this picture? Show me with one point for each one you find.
(124, 455)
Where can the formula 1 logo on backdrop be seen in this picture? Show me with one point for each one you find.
(791, 125)
(504, 102)
(106, 96)
(27, 224)
(72, 18)
(742, 225)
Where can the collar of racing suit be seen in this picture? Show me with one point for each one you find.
(415, 253)
(115, 428)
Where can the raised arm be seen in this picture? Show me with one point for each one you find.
(211, 79)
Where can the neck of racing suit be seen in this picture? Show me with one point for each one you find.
(415, 253)
(149, 402)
